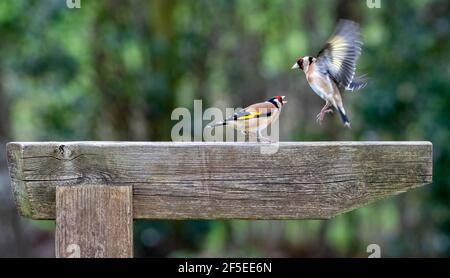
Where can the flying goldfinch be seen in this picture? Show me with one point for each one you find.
(334, 68)
(256, 117)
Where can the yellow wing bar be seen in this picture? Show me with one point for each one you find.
(251, 116)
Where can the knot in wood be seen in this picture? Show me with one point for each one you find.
(64, 151)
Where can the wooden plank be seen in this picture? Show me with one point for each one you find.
(222, 180)
(94, 221)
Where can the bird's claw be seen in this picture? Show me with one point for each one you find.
(319, 118)
(321, 115)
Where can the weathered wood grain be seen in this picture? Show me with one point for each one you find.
(94, 221)
(221, 180)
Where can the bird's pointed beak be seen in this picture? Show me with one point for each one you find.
(283, 99)
(295, 66)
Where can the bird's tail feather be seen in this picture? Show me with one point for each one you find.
(357, 83)
(344, 117)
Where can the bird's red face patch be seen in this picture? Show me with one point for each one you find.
(300, 62)
(280, 99)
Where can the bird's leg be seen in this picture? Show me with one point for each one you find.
(246, 135)
(325, 109)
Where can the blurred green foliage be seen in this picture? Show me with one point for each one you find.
(115, 70)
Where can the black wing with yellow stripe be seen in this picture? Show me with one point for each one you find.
(247, 115)
(340, 53)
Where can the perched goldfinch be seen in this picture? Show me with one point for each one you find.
(256, 117)
(334, 68)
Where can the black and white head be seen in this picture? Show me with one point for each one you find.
(303, 63)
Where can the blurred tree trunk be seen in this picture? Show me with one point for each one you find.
(110, 74)
(348, 10)
(165, 68)
(12, 238)
(4, 112)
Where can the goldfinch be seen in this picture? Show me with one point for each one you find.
(256, 117)
(334, 68)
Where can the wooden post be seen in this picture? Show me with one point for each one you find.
(94, 189)
(94, 221)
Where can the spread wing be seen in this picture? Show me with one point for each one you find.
(339, 55)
